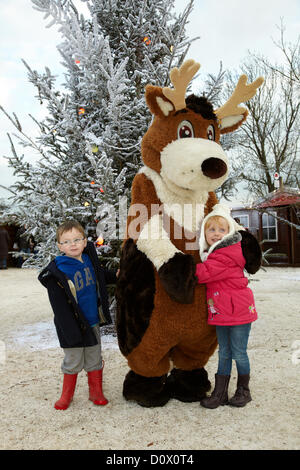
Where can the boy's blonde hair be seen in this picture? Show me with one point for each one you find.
(67, 226)
(214, 218)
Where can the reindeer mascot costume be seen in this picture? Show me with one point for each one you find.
(161, 311)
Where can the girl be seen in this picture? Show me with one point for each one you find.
(230, 303)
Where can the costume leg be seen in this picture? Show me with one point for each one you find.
(188, 381)
(150, 363)
(148, 388)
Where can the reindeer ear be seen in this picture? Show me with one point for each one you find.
(157, 102)
(231, 115)
(231, 123)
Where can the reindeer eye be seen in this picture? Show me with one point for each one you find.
(184, 130)
(211, 132)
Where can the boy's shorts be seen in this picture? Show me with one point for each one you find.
(89, 358)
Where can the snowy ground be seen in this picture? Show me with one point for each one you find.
(30, 382)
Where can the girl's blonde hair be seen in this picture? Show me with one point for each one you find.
(214, 218)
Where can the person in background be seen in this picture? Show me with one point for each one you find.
(22, 245)
(4, 244)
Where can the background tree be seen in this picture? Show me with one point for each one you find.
(289, 67)
(288, 71)
(89, 143)
(268, 141)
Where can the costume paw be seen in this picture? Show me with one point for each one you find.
(146, 391)
(178, 278)
(188, 386)
(251, 252)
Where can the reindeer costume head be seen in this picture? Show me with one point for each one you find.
(161, 313)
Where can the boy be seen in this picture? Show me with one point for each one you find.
(76, 286)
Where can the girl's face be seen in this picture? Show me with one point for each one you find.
(216, 230)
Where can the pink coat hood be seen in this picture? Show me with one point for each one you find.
(229, 299)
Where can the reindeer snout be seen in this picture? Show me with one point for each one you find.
(214, 168)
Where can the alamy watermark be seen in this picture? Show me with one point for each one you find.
(114, 223)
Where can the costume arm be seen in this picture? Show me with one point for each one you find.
(145, 223)
(175, 269)
(155, 243)
(251, 252)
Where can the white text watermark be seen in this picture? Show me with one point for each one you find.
(178, 222)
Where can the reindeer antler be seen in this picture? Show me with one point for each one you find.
(180, 78)
(242, 93)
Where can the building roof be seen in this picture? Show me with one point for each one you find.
(283, 196)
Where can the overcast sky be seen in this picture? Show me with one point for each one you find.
(227, 30)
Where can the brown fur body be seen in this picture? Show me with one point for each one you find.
(176, 332)
(161, 311)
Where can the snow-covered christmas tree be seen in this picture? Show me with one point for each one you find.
(89, 143)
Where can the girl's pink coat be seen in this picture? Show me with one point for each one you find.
(229, 300)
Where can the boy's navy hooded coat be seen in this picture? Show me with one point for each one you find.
(73, 330)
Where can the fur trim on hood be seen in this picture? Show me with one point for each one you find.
(229, 239)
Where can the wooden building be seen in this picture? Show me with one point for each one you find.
(279, 241)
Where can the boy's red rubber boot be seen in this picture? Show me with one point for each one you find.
(67, 392)
(95, 388)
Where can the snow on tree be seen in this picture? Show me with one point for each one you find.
(89, 142)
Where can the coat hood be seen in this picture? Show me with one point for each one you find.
(53, 266)
(222, 211)
(50, 270)
(66, 261)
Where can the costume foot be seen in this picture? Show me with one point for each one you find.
(188, 386)
(146, 391)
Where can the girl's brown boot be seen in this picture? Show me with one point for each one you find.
(242, 394)
(219, 395)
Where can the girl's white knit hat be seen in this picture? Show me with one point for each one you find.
(222, 211)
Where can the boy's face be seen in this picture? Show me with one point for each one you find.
(216, 230)
(76, 245)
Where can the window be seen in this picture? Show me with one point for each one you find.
(269, 227)
(242, 220)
